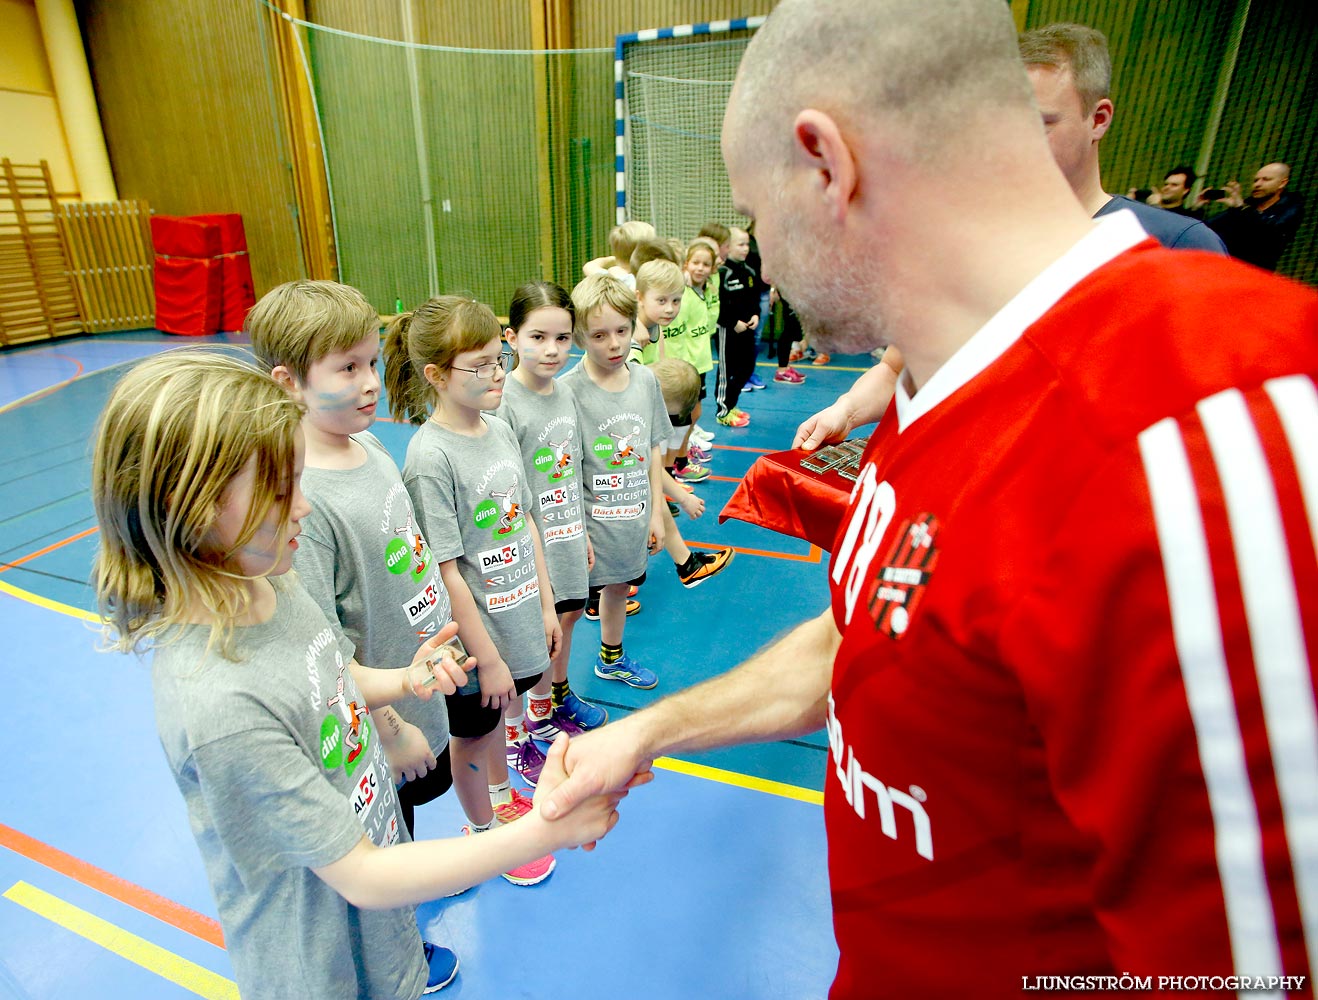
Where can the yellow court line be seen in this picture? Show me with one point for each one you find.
(48, 604)
(192, 977)
(755, 784)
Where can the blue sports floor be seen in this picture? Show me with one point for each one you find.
(713, 885)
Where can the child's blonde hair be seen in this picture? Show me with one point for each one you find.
(298, 323)
(623, 239)
(661, 275)
(435, 333)
(175, 432)
(597, 292)
(680, 383)
(654, 249)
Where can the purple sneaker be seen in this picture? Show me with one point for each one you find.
(546, 730)
(526, 759)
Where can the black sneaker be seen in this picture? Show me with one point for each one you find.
(707, 564)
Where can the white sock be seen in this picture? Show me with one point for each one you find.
(500, 794)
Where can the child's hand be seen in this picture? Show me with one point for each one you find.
(590, 554)
(754, 322)
(641, 335)
(497, 688)
(409, 753)
(553, 632)
(692, 504)
(656, 532)
(434, 668)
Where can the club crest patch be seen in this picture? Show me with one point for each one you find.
(899, 585)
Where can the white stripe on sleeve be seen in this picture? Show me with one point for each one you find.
(1197, 634)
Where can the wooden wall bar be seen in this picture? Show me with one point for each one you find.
(37, 299)
(111, 260)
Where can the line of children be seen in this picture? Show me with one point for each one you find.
(264, 715)
(444, 369)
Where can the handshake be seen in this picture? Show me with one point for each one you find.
(583, 779)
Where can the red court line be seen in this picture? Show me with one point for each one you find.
(726, 479)
(43, 393)
(148, 902)
(50, 548)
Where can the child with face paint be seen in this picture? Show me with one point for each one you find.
(266, 719)
(542, 414)
(474, 501)
(361, 557)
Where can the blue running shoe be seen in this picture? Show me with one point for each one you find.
(581, 712)
(443, 967)
(626, 670)
(754, 382)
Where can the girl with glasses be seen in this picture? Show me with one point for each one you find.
(445, 371)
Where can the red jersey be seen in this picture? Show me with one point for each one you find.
(1072, 719)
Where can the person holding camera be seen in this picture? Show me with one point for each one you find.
(1258, 229)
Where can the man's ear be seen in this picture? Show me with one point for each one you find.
(281, 374)
(1100, 119)
(819, 143)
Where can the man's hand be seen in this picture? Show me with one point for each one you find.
(605, 761)
(829, 426)
(592, 815)
(754, 322)
(1234, 198)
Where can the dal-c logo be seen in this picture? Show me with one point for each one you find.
(504, 555)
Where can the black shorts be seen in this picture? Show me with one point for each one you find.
(595, 591)
(567, 607)
(468, 719)
(425, 789)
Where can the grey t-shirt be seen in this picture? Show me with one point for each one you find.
(279, 765)
(546, 427)
(618, 431)
(471, 495)
(363, 559)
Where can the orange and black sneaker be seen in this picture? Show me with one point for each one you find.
(703, 565)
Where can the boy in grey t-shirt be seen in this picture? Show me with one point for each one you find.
(363, 558)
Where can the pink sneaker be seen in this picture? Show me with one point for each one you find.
(695, 453)
(510, 812)
(789, 375)
(531, 873)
